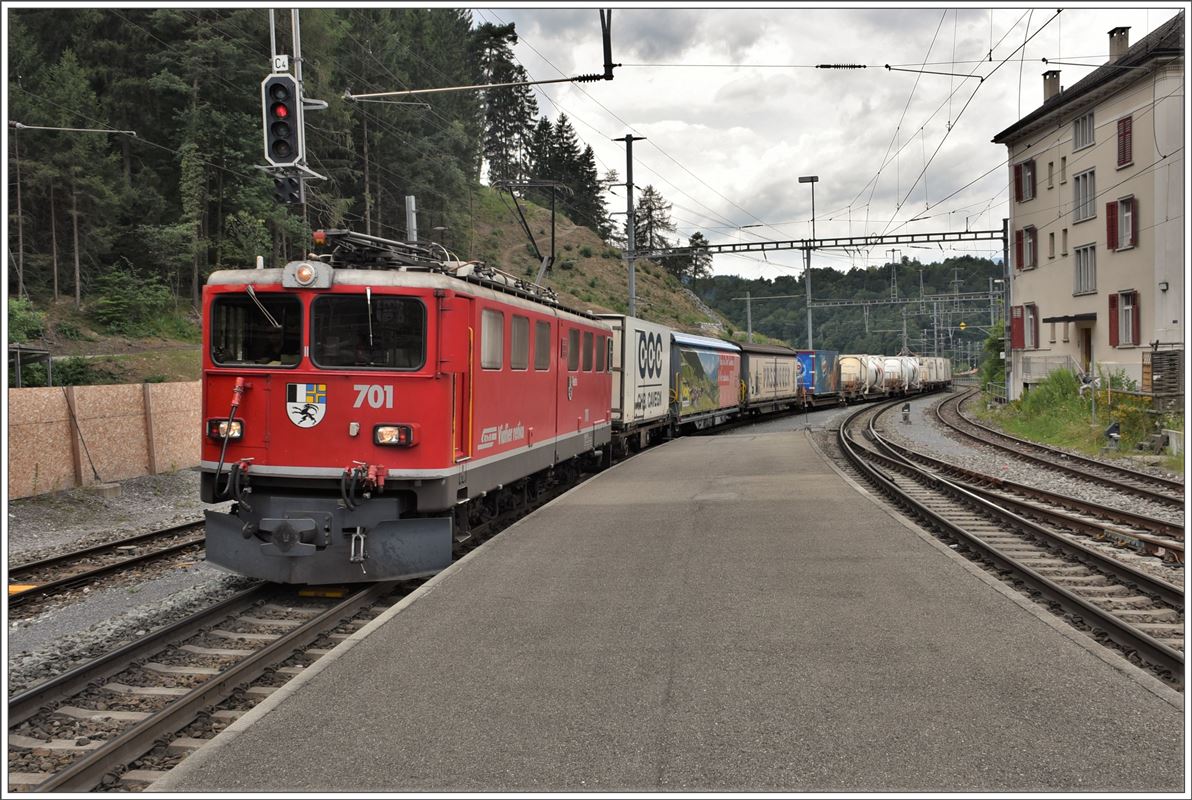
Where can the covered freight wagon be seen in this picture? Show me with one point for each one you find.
(820, 375)
(770, 374)
(706, 375)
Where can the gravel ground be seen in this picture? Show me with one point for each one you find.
(90, 622)
(926, 434)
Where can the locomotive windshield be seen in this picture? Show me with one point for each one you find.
(261, 328)
(357, 330)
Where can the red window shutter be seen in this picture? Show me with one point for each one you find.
(1018, 250)
(1134, 221)
(1125, 142)
(1137, 320)
(1017, 340)
(1018, 182)
(1111, 231)
(1113, 320)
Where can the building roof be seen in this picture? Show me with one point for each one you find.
(1166, 40)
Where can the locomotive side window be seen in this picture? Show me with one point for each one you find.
(492, 338)
(242, 332)
(572, 350)
(541, 345)
(608, 364)
(519, 342)
(381, 331)
(587, 351)
(600, 351)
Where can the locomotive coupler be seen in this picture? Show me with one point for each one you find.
(356, 551)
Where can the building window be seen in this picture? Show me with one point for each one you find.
(1124, 319)
(492, 339)
(1030, 326)
(1030, 241)
(1125, 142)
(1085, 194)
(541, 345)
(1024, 181)
(1082, 132)
(1053, 333)
(1050, 174)
(1064, 242)
(1086, 270)
(1051, 245)
(519, 343)
(1063, 169)
(1121, 221)
(1128, 318)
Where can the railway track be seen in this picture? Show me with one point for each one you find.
(1165, 491)
(142, 705)
(35, 580)
(1149, 535)
(120, 722)
(1141, 615)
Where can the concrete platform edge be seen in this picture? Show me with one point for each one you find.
(1139, 676)
(227, 736)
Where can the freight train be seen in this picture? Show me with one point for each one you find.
(365, 409)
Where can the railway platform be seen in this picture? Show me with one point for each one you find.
(716, 614)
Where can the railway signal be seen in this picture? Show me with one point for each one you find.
(289, 190)
(281, 113)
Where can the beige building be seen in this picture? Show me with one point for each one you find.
(1097, 214)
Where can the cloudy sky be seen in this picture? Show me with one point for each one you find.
(734, 111)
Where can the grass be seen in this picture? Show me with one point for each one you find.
(1055, 413)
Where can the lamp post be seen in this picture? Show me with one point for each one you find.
(812, 179)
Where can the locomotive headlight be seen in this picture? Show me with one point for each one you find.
(305, 274)
(394, 435)
(218, 429)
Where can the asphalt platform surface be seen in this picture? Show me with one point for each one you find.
(716, 614)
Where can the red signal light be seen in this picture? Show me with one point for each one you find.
(319, 237)
(281, 110)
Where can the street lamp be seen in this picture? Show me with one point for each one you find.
(812, 179)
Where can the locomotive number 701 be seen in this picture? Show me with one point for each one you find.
(377, 396)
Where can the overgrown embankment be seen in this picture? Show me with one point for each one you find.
(1057, 412)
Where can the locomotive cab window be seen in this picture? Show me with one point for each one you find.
(380, 332)
(600, 351)
(587, 351)
(243, 332)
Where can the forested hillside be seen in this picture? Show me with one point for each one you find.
(159, 180)
(849, 328)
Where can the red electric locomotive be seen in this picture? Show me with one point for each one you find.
(363, 409)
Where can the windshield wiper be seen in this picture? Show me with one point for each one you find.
(261, 306)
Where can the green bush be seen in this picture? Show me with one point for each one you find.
(72, 371)
(129, 303)
(566, 264)
(24, 321)
(592, 282)
(72, 332)
(568, 247)
(585, 251)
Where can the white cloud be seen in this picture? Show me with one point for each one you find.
(744, 134)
